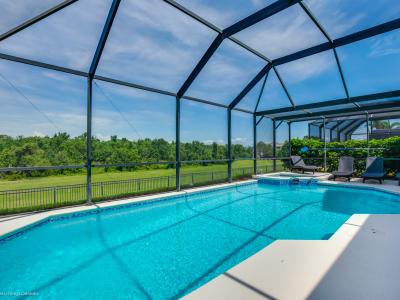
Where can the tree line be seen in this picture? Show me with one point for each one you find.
(61, 149)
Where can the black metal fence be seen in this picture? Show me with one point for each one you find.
(23, 200)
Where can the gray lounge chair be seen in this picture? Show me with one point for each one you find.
(374, 169)
(346, 168)
(297, 163)
(398, 177)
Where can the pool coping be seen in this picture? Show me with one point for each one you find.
(389, 189)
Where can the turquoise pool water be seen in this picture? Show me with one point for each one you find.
(165, 249)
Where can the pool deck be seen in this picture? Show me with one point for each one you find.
(360, 261)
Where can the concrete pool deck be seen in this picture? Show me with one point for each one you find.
(360, 261)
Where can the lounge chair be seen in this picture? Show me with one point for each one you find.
(346, 168)
(297, 163)
(374, 169)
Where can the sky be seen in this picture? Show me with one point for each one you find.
(153, 44)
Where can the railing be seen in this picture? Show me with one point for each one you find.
(22, 200)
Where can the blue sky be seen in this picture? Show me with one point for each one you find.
(153, 44)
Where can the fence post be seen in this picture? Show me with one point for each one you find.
(90, 76)
(368, 133)
(138, 181)
(177, 144)
(89, 142)
(55, 196)
(290, 138)
(254, 144)
(324, 145)
(192, 179)
(102, 188)
(274, 144)
(229, 145)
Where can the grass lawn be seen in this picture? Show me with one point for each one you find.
(101, 176)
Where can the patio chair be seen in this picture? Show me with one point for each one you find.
(297, 163)
(374, 169)
(398, 178)
(346, 168)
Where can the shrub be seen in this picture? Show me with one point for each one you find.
(388, 148)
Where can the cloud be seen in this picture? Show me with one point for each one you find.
(226, 74)
(133, 122)
(143, 13)
(222, 13)
(259, 3)
(38, 134)
(102, 137)
(68, 37)
(337, 17)
(309, 67)
(158, 53)
(385, 45)
(60, 98)
(218, 141)
(286, 32)
(41, 83)
(240, 140)
(13, 13)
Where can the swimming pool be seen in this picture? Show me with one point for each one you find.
(166, 249)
